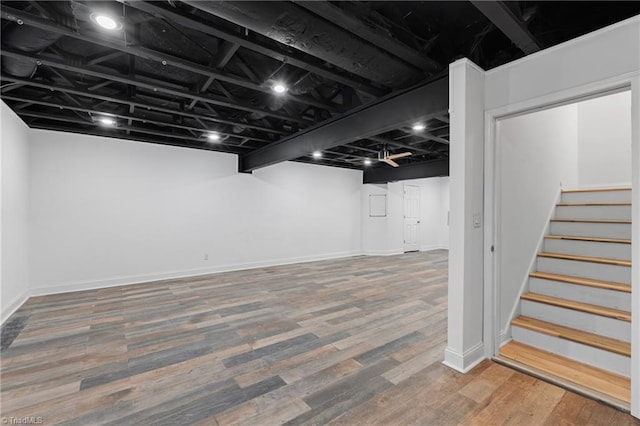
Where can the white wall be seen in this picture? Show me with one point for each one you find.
(375, 233)
(384, 235)
(107, 211)
(434, 208)
(604, 54)
(604, 135)
(536, 153)
(14, 210)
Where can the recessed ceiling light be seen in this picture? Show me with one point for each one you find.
(317, 154)
(106, 121)
(106, 22)
(418, 127)
(213, 137)
(279, 88)
(367, 161)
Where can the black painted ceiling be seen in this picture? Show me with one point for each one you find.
(176, 71)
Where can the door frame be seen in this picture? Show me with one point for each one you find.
(492, 174)
(404, 217)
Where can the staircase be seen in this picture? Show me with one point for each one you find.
(574, 325)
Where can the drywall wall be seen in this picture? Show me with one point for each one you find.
(604, 135)
(375, 234)
(108, 211)
(536, 154)
(14, 220)
(604, 54)
(434, 212)
(383, 235)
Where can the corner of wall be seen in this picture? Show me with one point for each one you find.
(11, 307)
(464, 362)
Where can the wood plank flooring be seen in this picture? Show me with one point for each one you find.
(355, 341)
(584, 375)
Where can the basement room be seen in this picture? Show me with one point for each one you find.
(319, 212)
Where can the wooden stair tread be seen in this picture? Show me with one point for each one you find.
(592, 204)
(615, 221)
(579, 336)
(578, 306)
(621, 188)
(594, 239)
(607, 285)
(602, 260)
(616, 386)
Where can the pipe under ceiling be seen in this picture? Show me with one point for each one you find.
(297, 27)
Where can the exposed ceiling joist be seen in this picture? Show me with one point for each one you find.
(406, 171)
(93, 111)
(373, 35)
(129, 128)
(136, 103)
(161, 57)
(398, 144)
(420, 103)
(96, 59)
(427, 137)
(500, 15)
(203, 145)
(134, 81)
(227, 50)
(305, 62)
(314, 37)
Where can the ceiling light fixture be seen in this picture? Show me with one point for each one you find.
(106, 121)
(106, 21)
(279, 88)
(418, 127)
(367, 161)
(213, 137)
(317, 154)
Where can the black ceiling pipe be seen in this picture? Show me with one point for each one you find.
(294, 26)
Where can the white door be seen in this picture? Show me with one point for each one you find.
(411, 218)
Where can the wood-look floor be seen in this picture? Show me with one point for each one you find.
(354, 341)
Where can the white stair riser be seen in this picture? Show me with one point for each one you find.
(594, 212)
(604, 326)
(594, 271)
(588, 248)
(591, 229)
(597, 197)
(579, 293)
(595, 357)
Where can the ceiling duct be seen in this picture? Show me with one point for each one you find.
(297, 27)
(27, 39)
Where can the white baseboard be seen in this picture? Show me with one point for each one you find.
(504, 337)
(434, 247)
(463, 362)
(382, 252)
(138, 279)
(13, 306)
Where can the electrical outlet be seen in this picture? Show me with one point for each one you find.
(206, 256)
